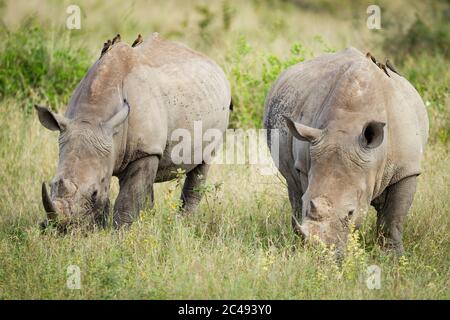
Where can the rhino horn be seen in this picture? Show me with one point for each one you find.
(48, 204)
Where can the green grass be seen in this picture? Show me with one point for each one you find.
(240, 243)
(430, 78)
(37, 65)
(252, 75)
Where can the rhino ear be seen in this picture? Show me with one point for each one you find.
(120, 116)
(51, 120)
(302, 132)
(373, 134)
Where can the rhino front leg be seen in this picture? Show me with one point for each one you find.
(191, 195)
(136, 190)
(392, 211)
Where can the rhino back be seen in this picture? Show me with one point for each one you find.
(168, 86)
(302, 89)
(172, 87)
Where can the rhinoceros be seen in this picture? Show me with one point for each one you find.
(351, 134)
(119, 122)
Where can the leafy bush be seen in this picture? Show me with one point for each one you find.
(252, 77)
(429, 76)
(430, 35)
(421, 52)
(34, 67)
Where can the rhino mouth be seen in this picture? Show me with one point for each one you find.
(56, 211)
(311, 231)
(60, 213)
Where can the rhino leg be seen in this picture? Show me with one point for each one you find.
(190, 195)
(136, 190)
(392, 209)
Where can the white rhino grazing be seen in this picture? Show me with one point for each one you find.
(119, 122)
(352, 134)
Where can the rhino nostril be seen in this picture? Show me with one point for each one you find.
(350, 213)
(59, 206)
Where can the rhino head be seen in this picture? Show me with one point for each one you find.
(80, 187)
(341, 174)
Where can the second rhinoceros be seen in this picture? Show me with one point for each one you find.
(351, 134)
(119, 123)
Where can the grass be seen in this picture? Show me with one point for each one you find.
(240, 244)
(38, 67)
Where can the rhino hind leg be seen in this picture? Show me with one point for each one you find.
(191, 193)
(136, 190)
(392, 210)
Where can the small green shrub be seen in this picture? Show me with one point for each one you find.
(251, 78)
(38, 68)
(228, 14)
(429, 76)
(420, 50)
(429, 35)
(204, 24)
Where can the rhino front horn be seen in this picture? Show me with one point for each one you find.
(47, 202)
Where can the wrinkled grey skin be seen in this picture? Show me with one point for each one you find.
(350, 137)
(119, 122)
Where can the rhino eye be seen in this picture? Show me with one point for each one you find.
(94, 196)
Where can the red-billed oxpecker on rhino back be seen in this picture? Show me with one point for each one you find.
(352, 134)
(119, 122)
